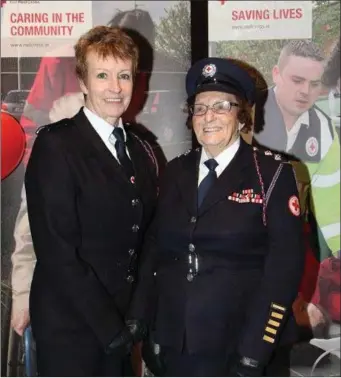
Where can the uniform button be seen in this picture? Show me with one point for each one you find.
(130, 279)
(135, 228)
(135, 202)
(191, 247)
(157, 349)
(190, 277)
(193, 220)
(131, 252)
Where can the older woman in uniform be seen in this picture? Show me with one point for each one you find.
(224, 257)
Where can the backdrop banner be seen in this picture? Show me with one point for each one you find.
(39, 86)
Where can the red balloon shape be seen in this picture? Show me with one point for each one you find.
(13, 143)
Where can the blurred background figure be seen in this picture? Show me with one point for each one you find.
(331, 79)
(324, 308)
(290, 121)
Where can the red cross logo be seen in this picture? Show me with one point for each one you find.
(312, 146)
(294, 206)
(209, 70)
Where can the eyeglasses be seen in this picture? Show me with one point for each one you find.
(221, 107)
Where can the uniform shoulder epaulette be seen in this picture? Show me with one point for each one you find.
(275, 155)
(41, 128)
(53, 126)
(188, 151)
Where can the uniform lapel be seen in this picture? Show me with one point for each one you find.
(187, 180)
(230, 180)
(96, 149)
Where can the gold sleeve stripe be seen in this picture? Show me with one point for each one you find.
(273, 323)
(277, 307)
(271, 330)
(276, 315)
(268, 339)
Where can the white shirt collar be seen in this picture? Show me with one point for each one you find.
(223, 159)
(102, 127)
(293, 132)
(303, 118)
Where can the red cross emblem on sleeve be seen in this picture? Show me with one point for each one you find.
(294, 206)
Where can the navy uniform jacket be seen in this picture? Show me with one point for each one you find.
(87, 221)
(248, 273)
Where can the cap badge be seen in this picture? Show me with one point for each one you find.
(209, 70)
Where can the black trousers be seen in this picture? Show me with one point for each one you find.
(60, 359)
(194, 365)
(215, 365)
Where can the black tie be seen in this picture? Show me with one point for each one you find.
(208, 181)
(122, 155)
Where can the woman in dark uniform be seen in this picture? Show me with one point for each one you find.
(224, 257)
